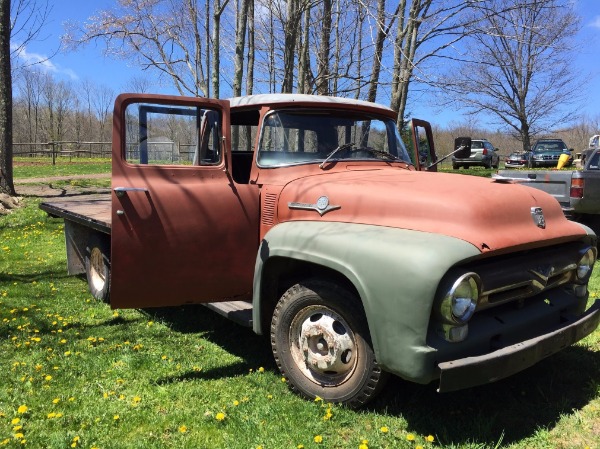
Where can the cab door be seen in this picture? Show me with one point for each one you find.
(182, 230)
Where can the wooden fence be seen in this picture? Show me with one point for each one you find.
(68, 149)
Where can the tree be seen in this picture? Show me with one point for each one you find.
(6, 168)
(520, 72)
(22, 21)
(163, 35)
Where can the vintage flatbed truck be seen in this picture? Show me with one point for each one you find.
(304, 218)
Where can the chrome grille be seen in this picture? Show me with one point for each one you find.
(527, 273)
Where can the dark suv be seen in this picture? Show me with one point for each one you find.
(483, 154)
(546, 152)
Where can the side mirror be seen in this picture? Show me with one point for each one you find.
(462, 147)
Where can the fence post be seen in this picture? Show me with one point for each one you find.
(53, 152)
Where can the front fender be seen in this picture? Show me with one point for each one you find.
(395, 272)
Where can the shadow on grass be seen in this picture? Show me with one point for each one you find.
(240, 341)
(508, 410)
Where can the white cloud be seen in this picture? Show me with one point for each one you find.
(595, 23)
(42, 61)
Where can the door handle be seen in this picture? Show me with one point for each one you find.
(121, 191)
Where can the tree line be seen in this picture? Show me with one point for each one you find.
(47, 109)
(507, 61)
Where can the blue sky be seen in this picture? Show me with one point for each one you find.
(90, 64)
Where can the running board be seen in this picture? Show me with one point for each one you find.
(238, 311)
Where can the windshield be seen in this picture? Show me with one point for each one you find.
(312, 136)
(549, 146)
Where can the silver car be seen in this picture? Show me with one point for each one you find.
(483, 154)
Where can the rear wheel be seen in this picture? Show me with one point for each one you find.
(321, 344)
(97, 267)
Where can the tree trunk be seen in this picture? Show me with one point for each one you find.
(290, 31)
(6, 166)
(376, 67)
(324, 51)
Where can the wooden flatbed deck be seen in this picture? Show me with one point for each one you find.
(93, 212)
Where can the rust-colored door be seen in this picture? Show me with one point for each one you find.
(182, 230)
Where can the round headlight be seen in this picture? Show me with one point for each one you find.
(586, 264)
(459, 303)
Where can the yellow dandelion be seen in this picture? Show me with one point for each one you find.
(19, 435)
(261, 370)
(418, 446)
(384, 429)
(318, 439)
(300, 446)
(182, 429)
(236, 402)
(15, 421)
(51, 415)
(116, 417)
(48, 377)
(283, 379)
(318, 399)
(410, 437)
(363, 446)
(430, 438)
(22, 409)
(136, 400)
(17, 428)
(56, 400)
(220, 416)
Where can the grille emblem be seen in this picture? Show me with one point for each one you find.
(538, 217)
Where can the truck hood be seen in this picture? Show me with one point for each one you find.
(491, 216)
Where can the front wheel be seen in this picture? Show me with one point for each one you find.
(321, 344)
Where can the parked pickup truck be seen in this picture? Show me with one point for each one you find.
(304, 218)
(577, 191)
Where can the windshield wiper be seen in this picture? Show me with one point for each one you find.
(380, 153)
(334, 152)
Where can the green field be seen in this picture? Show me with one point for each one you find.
(74, 373)
(27, 167)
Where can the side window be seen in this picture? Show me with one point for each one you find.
(172, 135)
(593, 165)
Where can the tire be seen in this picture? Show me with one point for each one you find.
(321, 343)
(97, 267)
(455, 167)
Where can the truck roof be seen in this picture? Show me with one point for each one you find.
(270, 99)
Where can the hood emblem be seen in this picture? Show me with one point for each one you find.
(322, 206)
(538, 217)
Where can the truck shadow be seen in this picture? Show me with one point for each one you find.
(506, 411)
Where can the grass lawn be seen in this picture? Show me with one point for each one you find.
(27, 167)
(74, 373)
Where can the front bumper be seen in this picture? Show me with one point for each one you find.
(472, 371)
